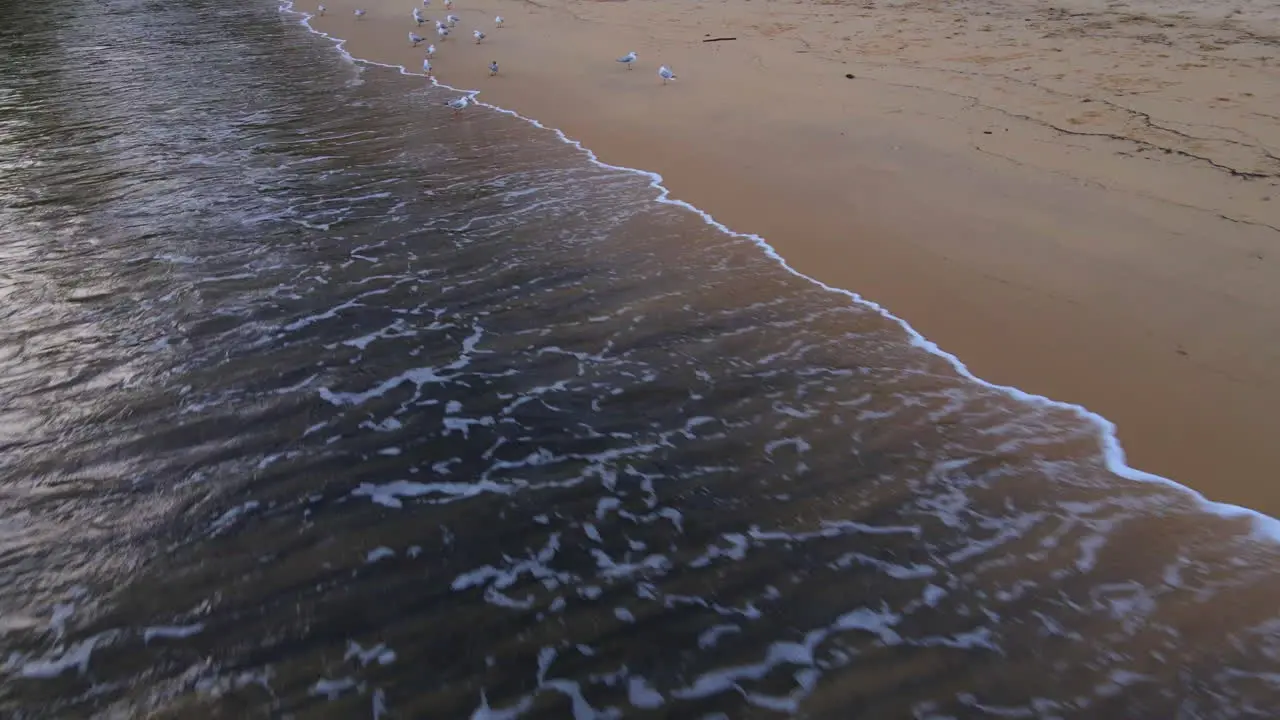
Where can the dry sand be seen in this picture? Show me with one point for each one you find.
(1080, 199)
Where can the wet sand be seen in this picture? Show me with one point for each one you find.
(1081, 200)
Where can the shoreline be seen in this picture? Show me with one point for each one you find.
(683, 188)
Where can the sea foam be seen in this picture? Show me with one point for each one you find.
(1263, 527)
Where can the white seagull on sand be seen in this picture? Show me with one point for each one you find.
(426, 67)
(665, 73)
(359, 14)
(426, 3)
(628, 59)
(417, 16)
(478, 36)
(321, 9)
(443, 32)
(448, 4)
(431, 51)
(498, 21)
(415, 38)
(493, 68)
(453, 20)
(459, 104)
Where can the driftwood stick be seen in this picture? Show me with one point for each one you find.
(719, 39)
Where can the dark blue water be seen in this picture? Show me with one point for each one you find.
(317, 402)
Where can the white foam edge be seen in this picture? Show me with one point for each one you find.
(1264, 527)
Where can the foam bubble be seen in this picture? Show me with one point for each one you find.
(379, 653)
(171, 632)
(379, 553)
(75, 657)
(331, 689)
(879, 622)
(389, 494)
(642, 695)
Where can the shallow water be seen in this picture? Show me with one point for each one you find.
(318, 401)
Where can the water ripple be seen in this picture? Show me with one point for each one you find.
(318, 402)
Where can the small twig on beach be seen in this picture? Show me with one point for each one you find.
(719, 39)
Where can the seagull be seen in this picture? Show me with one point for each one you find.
(426, 67)
(665, 73)
(459, 104)
(321, 9)
(359, 14)
(478, 35)
(628, 59)
(431, 51)
(453, 20)
(415, 38)
(426, 3)
(443, 32)
(439, 25)
(498, 21)
(448, 4)
(493, 68)
(417, 17)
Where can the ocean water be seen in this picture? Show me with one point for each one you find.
(316, 401)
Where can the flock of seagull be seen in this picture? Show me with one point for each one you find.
(446, 26)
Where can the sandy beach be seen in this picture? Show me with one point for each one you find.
(1079, 199)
